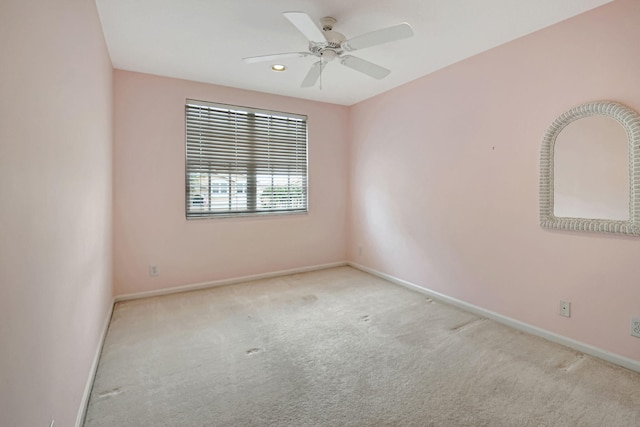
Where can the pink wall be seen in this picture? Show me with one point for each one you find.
(149, 218)
(55, 209)
(443, 176)
(444, 180)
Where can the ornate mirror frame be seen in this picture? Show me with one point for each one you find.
(630, 120)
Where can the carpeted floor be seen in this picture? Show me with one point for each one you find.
(339, 347)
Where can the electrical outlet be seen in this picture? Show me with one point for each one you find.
(153, 270)
(635, 327)
(565, 308)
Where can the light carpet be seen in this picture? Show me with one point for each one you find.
(340, 347)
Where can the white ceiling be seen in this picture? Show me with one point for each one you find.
(205, 40)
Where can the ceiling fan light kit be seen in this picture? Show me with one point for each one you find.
(328, 45)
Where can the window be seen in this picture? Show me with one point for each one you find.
(243, 161)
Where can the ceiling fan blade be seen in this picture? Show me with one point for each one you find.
(374, 38)
(275, 57)
(314, 74)
(305, 25)
(366, 67)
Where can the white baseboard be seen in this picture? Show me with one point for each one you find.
(223, 282)
(84, 403)
(516, 324)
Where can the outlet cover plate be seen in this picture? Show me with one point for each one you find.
(565, 308)
(635, 327)
(153, 270)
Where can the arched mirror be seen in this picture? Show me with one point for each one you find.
(589, 180)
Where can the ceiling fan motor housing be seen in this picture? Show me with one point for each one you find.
(332, 48)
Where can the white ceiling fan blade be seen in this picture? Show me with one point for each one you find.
(366, 67)
(275, 57)
(374, 38)
(305, 25)
(314, 74)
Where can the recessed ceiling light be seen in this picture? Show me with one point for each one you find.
(278, 67)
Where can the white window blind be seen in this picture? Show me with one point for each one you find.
(244, 161)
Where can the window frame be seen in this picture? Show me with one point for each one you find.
(249, 214)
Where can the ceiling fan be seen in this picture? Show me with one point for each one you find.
(329, 45)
